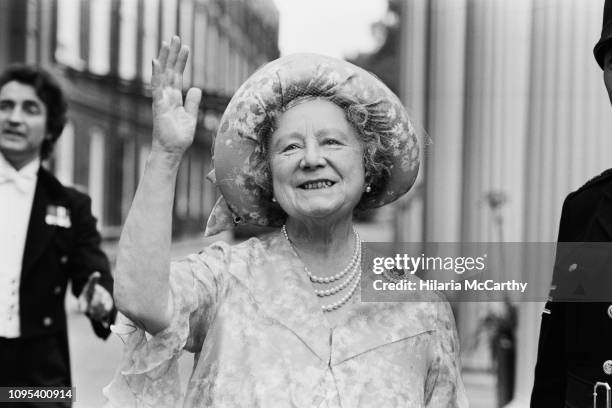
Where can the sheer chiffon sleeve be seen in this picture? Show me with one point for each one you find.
(148, 373)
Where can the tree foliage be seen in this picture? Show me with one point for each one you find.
(384, 62)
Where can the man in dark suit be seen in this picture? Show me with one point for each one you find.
(48, 237)
(575, 345)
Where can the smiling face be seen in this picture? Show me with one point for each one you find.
(23, 120)
(316, 160)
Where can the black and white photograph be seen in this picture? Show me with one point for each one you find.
(306, 203)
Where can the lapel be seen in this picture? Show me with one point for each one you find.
(601, 228)
(48, 191)
(283, 293)
(375, 324)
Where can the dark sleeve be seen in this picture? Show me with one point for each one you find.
(87, 256)
(550, 372)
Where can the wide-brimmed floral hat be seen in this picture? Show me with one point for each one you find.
(265, 95)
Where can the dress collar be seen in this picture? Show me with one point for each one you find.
(279, 284)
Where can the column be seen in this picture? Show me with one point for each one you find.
(444, 119)
(408, 211)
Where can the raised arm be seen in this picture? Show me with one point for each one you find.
(143, 261)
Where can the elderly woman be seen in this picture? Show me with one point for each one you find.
(277, 321)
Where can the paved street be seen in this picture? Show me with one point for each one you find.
(94, 361)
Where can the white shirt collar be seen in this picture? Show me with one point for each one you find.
(30, 169)
(23, 179)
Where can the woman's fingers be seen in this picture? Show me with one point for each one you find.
(192, 101)
(156, 68)
(168, 72)
(162, 57)
(177, 72)
(169, 66)
(181, 60)
(156, 81)
(175, 47)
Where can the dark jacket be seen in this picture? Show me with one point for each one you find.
(62, 245)
(576, 337)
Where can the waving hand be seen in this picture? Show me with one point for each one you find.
(142, 290)
(174, 123)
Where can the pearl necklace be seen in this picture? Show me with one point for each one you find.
(339, 275)
(335, 289)
(354, 266)
(344, 299)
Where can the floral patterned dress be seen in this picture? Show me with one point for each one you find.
(250, 315)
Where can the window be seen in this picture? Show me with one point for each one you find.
(32, 27)
(186, 32)
(96, 172)
(196, 178)
(231, 69)
(200, 50)
(68, 50)
(150, 41)
(128, 169)
(99, 36)
(64, 155)
(128, 33)
(237, 68)
(244, 67)
(169, 12)
(212, 55)
(222, 73)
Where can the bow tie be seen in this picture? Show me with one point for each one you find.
(23, 182)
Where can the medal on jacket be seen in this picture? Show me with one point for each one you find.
(58, 215)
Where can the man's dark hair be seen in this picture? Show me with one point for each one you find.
(49, 92)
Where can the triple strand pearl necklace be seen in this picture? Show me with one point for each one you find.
(352, 269)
